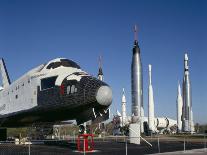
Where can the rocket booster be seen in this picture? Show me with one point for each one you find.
(187, 99)
(150, 102)
(123, 105)
(100, 71)
(137, 84)
(179, 109)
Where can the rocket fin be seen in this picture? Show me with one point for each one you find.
(118, 113)
(5, 76)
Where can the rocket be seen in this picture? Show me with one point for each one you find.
(150, 103)
(100, 71)
(187, 117)
(123, 108)
(179, 109)
(137, 84)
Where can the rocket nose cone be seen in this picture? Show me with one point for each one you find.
(104, 95)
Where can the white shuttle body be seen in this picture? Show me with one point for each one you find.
(56, 91)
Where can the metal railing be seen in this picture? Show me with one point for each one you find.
(158, 143)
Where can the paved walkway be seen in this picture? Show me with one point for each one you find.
(105, 148)
(188, 152)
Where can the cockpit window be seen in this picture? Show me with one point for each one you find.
(47, 83)
(50, 65)
(69, 63)
(63, 62)
(80, 73)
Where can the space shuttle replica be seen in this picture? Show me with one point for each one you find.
(187, 113)
(56, 91)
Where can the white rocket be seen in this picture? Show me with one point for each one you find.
(187, 115)
(150, 103)
(123, 108)
(179, 110)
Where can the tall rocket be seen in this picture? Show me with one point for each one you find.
(100, 71)
(151, 114)
(187, 115)
(137, 84)
(123, 109)
(179, 109)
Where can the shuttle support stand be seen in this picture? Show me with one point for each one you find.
(134, 133)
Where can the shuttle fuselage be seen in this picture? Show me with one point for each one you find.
(57, 91)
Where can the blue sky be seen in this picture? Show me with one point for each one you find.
(33, 32)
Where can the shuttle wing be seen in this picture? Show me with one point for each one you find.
(5, 77)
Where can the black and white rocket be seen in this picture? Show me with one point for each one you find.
(100, 71)
(187, 115)
(137, 84)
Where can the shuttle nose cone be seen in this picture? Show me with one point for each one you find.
(104, 95)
